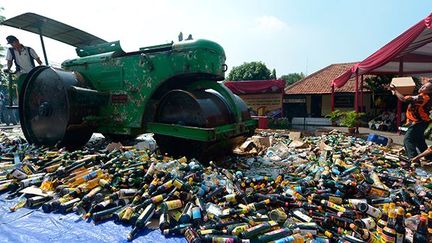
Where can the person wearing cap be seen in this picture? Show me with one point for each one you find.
(417, 116)
(22, 56)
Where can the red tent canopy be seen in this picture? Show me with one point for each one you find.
(256, 86)
(409, 53)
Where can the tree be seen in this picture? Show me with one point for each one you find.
(292, 78)
(273, 74)
(377, 84)
(250, 71)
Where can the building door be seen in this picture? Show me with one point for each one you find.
(316, 104)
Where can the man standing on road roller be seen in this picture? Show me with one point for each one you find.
(22, 56)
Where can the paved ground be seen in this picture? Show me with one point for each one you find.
(363, 131)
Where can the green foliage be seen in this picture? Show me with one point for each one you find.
(335, 115)
(346, 118)
(351, 118)
(292, 78)
(273, 74)
(250, 71)
(378, 84)
(279, 123)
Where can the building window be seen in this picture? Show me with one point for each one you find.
(344, 101)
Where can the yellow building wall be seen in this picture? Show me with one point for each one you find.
(263, 104)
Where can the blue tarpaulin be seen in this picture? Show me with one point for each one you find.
(33, 225)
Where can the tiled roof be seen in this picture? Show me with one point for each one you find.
(320, 81)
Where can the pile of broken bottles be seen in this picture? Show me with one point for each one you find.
(328, 188)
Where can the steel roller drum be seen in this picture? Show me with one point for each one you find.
(205, 109)
(46, 109)
(194, 108)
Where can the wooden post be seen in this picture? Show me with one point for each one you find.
(332, 98)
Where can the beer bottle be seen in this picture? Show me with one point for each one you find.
(192, 236)
(117, 216)
(171, 205)
(126, 193)
(370, 210)
(186, 213)
(21, 203)
(389, 232)
(216, 192)
(275, 235)
(178, 229)
(379, 201)
(400, 225)
(52, 204)
(383, 220)
(196, 216)
(163, 188)
(305, 228)
(203, 232)
(149, 173)
(237, 228)
(258, 229)
(295, 238)
(153, 185)
(31, 181)
(105, 184)
(105, 214)
(301, 216)
(140, 223)
(75, 182)
(181, 185)
(9, 186)
(36, 201)
(164, 221)
(421, 235)
(67, 206)
(222, 238)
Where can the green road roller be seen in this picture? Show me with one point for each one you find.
(173, 90)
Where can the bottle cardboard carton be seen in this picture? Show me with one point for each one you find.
(405, 85)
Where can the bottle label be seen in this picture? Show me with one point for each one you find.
(374, 212)
(239, 229)
(190, 235)
(303, 217)
(219, 239)
(157, 199)
(177, 183)
(173, 204)
(337, 200)
(389, 235)
(369, 223)
(196, 213)
(380, 192)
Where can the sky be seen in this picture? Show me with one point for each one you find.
(290, 36)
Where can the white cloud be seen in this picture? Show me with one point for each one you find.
(270, 24)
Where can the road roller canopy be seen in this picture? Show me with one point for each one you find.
(53, 29)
